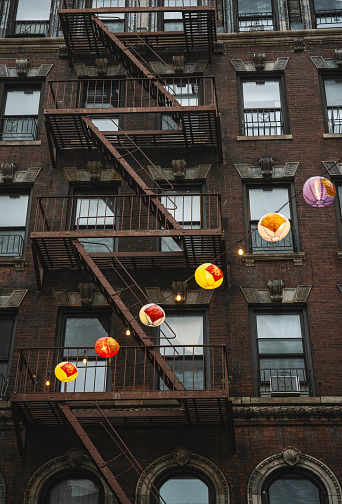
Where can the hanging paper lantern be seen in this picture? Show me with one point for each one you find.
(208, 276)
(66, 371)
(319, 192)
(152, 315)
(273, 227)
(107, 347)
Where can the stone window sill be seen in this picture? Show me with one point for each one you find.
(296, 257)
(21, 142)
(332, 135)
(18, 262)
(265, 137)
(339, 255)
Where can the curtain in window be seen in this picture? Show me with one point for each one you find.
(279, 326)
(254, 6)
(74, 491)
(333, 90)
(293, 491)
(263, 201)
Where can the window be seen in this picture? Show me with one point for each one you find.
(294, 487)
(102, 95)
(282, 354)
(30, 18)
(97, 212)
(333, 104)
(266, 199)
(184, 489)
(186, 209)
(173, 21)
(20, 117)
(263, 108)
(255, 15)
(7, 338)
(328, 13)
(13, 223)
(72, 488)
(185, 353)
(78, 336)
(186, 93)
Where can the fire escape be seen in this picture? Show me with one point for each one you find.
(166, 387)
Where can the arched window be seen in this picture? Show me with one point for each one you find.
(73, 488)
(185, 488)
(293, 487)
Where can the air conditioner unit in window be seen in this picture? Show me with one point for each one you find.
(284, 384)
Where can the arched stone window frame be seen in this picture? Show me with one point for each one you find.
(2, 490)
(182, 458)
(73, 459)
(290, 457)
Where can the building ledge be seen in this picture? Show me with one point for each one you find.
(332, 135)
(296, 257)
(339, 255)
(4, 143)
(18, 262)
(240, 138)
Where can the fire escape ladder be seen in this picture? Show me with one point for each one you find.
(130, 176)
(95, 455)
(116, 303)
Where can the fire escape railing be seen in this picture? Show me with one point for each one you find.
(198, 367)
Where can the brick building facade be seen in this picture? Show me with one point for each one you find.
(138, 142)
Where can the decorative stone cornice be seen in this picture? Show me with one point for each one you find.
(83, 70)
(73, 174)
(66, 298)
(294, 295)
(22, 70)
(161, 68)
(101, 66)
(22, 66)
(13, 300)
(87, 291)
(275, 171)
(19, 176)
(287, 412)
(322, 63)
(178, 63)
(339, 286)
(259, 63)
(332, 167)
(166, 296)
(190, 173)
(298, 45)
(296, 257)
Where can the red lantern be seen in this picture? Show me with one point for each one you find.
(107, 347)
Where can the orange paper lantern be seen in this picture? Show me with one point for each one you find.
(273, 227)
(66, 371)
(208, 276)
(107, 347)
(152, 315)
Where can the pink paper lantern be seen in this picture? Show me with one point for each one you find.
(319, 191)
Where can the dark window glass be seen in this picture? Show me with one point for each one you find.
(328, 13)
(255, 15)
(281, 356)
(6, 331)
(263, 200)
(20, 118)
(333, 99)
(103, 95)
(78, 334)
(74, 491)
(294, 489)
(173, 21)
(186, 93)
(262, 108)
(13, 218)
(184, 490)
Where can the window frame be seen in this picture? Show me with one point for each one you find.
(90, 312)
(8, 315)
(21, 190)
(52, 23)
(314, 17)
(289, 185)
(300, 472)
(307, 355)
(280, 77)
(180, 311)
(22, 85)
(275, 17)
(338, 209)
(323, 77)
(84, 94)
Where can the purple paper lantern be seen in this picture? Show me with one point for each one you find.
(319, 191)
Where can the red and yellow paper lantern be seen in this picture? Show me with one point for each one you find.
(66, 371)
(208, 276)
(107, 347)
(273, 227)
(152, 315)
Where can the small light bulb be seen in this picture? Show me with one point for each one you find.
(240, 252)
(47, 383)
(85, 361)
(128, 332)
(178, 297)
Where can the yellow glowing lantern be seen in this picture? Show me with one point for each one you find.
(66, 371)
(152, 315)
(208, 276)
(273, 227)
(107, 347)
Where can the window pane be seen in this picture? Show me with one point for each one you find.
(75, 491)
(22, 102)
(13, 210)
(262, 201)
(271, 346)
(279, 326)
(188, 329)
(327, 5)
(185, 491)
(83, 332)
(106, 124)
(254, 6)
(29, 10)
(333, 91)
(183, 208)
(6, 328)
(293, 491)
(264, 94)
(95, 212)
(282, 363)
(92, 376)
